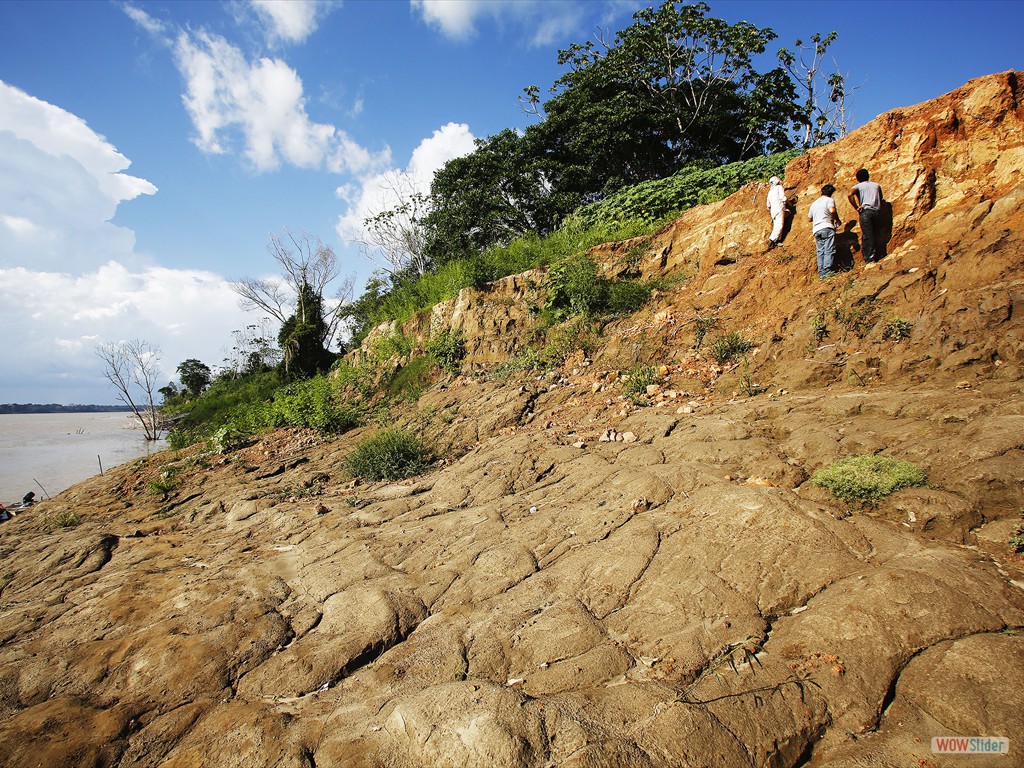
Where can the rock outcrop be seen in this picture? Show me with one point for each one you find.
(555, 593)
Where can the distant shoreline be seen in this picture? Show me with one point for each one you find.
(57, 408)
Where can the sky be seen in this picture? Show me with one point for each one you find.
(149, 150)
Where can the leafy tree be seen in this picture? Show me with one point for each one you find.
(302, 336)
(674, 88)
(132, 368)
(194, 375)
(486, 198)
(309, 268)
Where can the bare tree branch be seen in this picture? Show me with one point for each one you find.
(134, 365)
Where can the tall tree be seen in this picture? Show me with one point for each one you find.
(823, 108)
(194, 375)
(675, 87)
(301, 337)
(488, 197)
(133, 367)
(300, 300)
(395, 238)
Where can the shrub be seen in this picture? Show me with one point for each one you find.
(637, 381)
(391, 454)
(448, 350)
(573, 287)
(867, 479)
(730, 346)
(897, 329)
(624, 297)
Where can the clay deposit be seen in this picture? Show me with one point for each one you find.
(583, 580)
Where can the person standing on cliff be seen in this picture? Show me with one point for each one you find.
(824, 222)
(776, 209)
(866, 199)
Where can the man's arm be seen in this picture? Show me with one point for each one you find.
(854, 198)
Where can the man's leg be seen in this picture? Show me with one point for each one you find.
(825, 243)
(777, 221)
(868, 233)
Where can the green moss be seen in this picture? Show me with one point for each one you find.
(867, 480)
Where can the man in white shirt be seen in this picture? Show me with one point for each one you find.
(866, 199)
(824, 221)
(776, 209)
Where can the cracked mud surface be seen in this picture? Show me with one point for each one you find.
(654, 608)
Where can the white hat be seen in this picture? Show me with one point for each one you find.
(774, 180)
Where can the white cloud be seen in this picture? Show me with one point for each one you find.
(51, 349)
(291, 21)
(377, 192)
(60, 134)
(261, 105)
(60, 185)
(546, 22)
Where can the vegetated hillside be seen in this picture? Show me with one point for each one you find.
(595, 574)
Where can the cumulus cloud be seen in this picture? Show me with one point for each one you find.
(60, 185)
(69, 279)
(380, 192)
(544, 22)
(62, 318)
(257, 105)
(291, 21)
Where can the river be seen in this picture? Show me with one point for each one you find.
(48, 452)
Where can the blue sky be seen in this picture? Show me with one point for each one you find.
(149, 149)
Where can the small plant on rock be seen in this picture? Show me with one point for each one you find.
(730, 346)
(1017, 536)
(448, 350)
(866, 480)
(391, 454)
(65, 519)
(636, 383)
(702, 326)
(897, 329)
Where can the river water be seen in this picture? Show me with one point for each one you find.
(53, 451)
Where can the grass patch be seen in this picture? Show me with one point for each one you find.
(65, 519)
(637, 381)
(866, 480)
(730, 346)
(897, 329)
(391, 454)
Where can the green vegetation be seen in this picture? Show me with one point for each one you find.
(636, 382)
(65, 519)
(896, 330)
(448, 350)
(729, 346)
(674, 111)
(391, 454)
(866, 480)
(660, 199)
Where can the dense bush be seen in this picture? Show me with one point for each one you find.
(693, 185)
(448, 350)
(391, 454)
(867, 479)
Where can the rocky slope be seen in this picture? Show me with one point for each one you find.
(584, 581)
